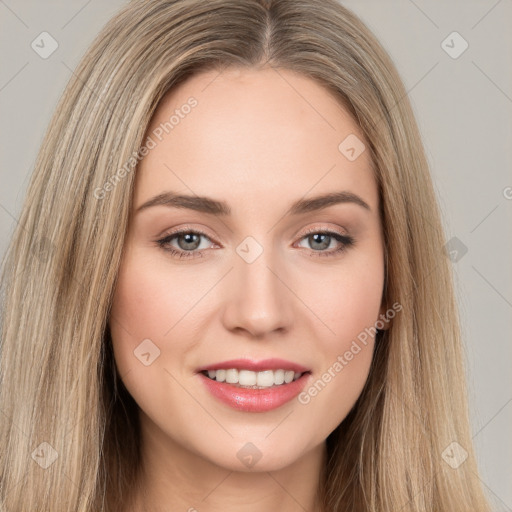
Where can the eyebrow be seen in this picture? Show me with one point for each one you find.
(221, 208)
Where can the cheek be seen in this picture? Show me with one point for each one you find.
(152, 303)
(144, 309)
(149, 300)
(139, 313)
(349, 306)
(347, 300)
(136, 307)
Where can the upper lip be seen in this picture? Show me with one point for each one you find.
(256, 366)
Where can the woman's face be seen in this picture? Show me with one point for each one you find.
(253, 277)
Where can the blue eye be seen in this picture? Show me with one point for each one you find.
(315, 236)
(191, 240)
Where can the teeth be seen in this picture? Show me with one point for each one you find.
(248, 378)
(232, 376)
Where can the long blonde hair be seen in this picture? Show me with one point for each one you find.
(69, 430)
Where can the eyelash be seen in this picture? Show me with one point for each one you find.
(346, 242)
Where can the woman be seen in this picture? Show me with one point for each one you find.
(228, 288)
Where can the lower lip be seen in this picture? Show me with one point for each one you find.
(255, 400)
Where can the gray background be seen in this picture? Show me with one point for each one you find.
(463, 106)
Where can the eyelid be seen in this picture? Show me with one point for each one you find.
(187, 229)
(317, 229)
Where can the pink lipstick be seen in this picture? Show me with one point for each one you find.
(254, 386)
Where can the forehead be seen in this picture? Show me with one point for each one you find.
(252, 134)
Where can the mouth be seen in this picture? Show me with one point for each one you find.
(254, 374)
(252, 386)
(253, 380)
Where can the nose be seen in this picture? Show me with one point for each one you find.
(258, 298)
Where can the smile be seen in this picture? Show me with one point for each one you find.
(254, 398)
(253, 380)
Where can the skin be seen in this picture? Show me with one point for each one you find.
(259, 140)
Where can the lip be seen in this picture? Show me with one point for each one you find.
(256, 366)
(255, 400)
